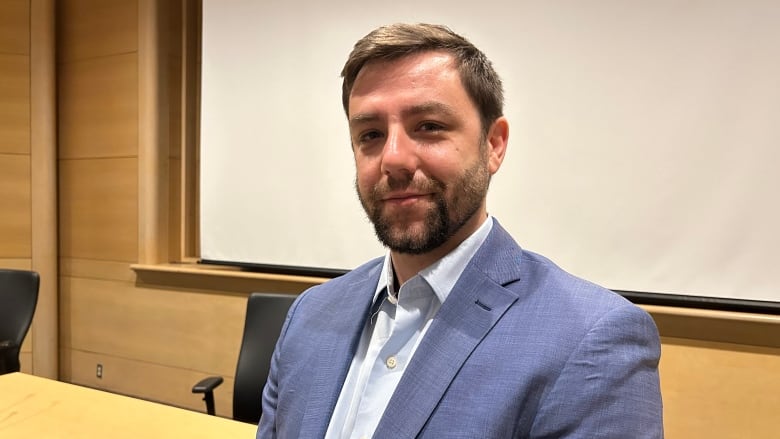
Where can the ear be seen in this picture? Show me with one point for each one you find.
(497, 139)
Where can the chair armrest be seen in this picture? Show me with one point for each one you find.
(207, 385)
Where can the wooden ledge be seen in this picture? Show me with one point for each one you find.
(713, 314)
(220, 278)
(718, 326)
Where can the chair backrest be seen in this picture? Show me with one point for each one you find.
(265, 314)
(18, 297)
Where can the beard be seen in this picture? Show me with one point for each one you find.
(453, 206)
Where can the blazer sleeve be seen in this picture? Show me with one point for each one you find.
(266, 428)
(609, 387)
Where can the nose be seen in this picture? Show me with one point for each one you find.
(399, 156)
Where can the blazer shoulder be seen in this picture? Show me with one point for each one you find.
(343, 287)
(365, 271)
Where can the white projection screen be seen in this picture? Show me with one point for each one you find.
(644, 136)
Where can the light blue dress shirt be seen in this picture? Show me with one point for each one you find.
(392, 334)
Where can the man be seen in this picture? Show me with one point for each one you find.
(457, 332)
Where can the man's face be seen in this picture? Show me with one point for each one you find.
(423, 168)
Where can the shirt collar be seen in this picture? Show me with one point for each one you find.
(442, 274)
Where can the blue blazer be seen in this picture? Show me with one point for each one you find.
(520, 349)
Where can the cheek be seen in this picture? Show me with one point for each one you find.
(443, 167)
(365, 179)
(367, 168)
(362, 186)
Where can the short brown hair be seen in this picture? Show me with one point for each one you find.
(394, 41)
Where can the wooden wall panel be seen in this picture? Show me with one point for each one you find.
(174, 74)
(15, 178)
(15, 26)
(43, 149)
(26, 352)
(177, 236)
(25, 358)
(169, 385)
(177, 233)
(15, 225)
(16, 263)
(98, 107)
(185, 329)
(14, 104)
(95, 28)
(27, 342)
(719, 390)
(175, 99)
(98, 209)
(153, 343)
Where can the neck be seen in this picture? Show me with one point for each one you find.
(408, 265)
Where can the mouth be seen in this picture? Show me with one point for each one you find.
(404, 199)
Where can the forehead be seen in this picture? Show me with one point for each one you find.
(419, 63)
(428, 75)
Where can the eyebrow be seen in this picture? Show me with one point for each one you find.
(423, 108)
(429, 107)
(363, 118)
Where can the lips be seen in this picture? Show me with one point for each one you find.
(404, 198)
(393, 197)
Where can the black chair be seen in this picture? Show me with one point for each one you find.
(18, 297)
(265, 314)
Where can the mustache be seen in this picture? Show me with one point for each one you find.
(420, 184)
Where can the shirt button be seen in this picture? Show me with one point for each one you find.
(391, 362)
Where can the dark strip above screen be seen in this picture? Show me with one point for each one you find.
(280, 269)
(702, 302)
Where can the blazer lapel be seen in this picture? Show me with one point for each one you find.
(335, 352)
(476, 303)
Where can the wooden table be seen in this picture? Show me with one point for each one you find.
(35, 407)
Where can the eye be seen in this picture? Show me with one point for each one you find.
(369, 136)
(430, 127)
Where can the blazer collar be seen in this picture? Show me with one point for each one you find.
(499, 256)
